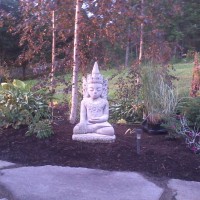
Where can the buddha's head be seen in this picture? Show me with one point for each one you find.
(95, 86)
(95, 90)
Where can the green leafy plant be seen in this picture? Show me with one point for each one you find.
(20, 106)
(42, 129)
(185, 122)
(178, 126)
(127, 111)
(172, 123)
(128, 104)
(189, 107)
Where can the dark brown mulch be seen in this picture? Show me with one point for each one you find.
(159, 157)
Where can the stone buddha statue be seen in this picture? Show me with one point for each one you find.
(94, 111)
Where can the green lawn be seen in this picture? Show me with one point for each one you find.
(184, 73)
(182, 70)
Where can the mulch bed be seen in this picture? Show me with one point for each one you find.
(159, 156)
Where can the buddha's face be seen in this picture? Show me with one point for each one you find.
(94, 90)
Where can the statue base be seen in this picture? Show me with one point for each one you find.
(93, 138)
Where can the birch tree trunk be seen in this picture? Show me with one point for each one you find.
(127, 55)
(141, 33)
(127, 48)
(74, 98)
(52, 74)
(53, 53)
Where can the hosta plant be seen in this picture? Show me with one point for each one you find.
(20, 106)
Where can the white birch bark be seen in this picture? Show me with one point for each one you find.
(52, 74)
(127, 48)
(74, 98)
(141, 33)
(53, 52)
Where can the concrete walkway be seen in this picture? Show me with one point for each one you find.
(67, 183)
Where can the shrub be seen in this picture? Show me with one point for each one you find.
(20, 106)
(42, 129)
(128, 104)
(172, 124)
(127, 111)
(178, 127)
(185, 122)
(189, 107)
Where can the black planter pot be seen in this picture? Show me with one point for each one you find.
(153, 128)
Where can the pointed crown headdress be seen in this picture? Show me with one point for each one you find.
(95, 77)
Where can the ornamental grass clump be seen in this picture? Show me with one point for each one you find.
(20, 106)
(160, 98)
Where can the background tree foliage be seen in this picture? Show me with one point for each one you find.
(110, 31)
(9, 49)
